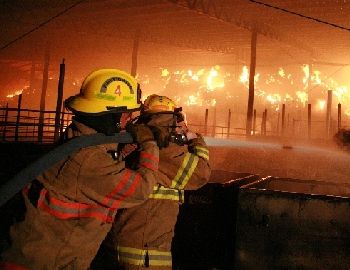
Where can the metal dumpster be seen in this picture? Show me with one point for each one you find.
(293, 224)
(205, 229)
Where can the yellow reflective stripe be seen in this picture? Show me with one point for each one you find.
(186, 170)
(159, 258)
(165, 197)
(202, 152)
(163, 193)
(131, 255)
(138, 257)
(182, 196)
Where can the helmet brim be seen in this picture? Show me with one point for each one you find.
(79, 104)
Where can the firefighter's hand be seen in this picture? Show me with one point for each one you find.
(198, 141)
(140, 132)
(191, 135)
(161, 135)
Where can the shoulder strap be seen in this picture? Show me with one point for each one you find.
(21, 179)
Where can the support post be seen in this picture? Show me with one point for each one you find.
(19, 104)
(251, 83)
(265, 120)
(43, 93)
(283, 119)
(213, 131)
(229, 123)
(206, 122)
(135, 49)
(339, 116)
(254, 121)
(262, 123)
(309, 84)
(62, 122)
(328, 113)
(309, 121)
(5, 122)
(59, 100)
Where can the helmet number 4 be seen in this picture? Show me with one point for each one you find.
(118, 91)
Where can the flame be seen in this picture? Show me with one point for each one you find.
(288, 98)
(302, 96)
(200, 87)
(165, 73)
(283, 80)
(244, 77)
(194, 100)
(321, 104)
(316, 79)
(16, 92)
(213, 79)
(306, 70)
(281, 72)
(341, 92)
(274, 98)
(199, 82)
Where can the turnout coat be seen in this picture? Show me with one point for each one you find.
(141, 236)
(76, 205)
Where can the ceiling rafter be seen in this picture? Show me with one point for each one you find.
(216, 11)
(196, 27)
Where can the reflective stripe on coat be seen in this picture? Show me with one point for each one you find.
(149, 227)
(77, 205)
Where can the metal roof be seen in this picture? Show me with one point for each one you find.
(175, 32)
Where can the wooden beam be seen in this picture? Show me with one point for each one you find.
(251, 83)
(59, 100)
(43, 93)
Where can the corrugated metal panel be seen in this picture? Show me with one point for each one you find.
(205, 230)
(293, 224)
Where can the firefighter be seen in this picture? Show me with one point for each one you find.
(142, 235)
(72, 211)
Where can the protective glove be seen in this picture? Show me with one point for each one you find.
(198, 141)
(140, 132)
(191, 135)
(161, 135)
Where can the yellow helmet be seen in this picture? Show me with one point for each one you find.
(158, 104)
(155, 104)
(105, 91)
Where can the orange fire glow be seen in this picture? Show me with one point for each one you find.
(16, 92)
(321, 104)
(214, 85)
(201, 82)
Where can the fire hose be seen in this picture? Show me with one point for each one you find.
(28, 174)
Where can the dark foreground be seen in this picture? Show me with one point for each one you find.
(241, 220)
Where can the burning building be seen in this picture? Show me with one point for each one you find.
(238, 68)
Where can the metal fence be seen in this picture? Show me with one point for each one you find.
(25, 126)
